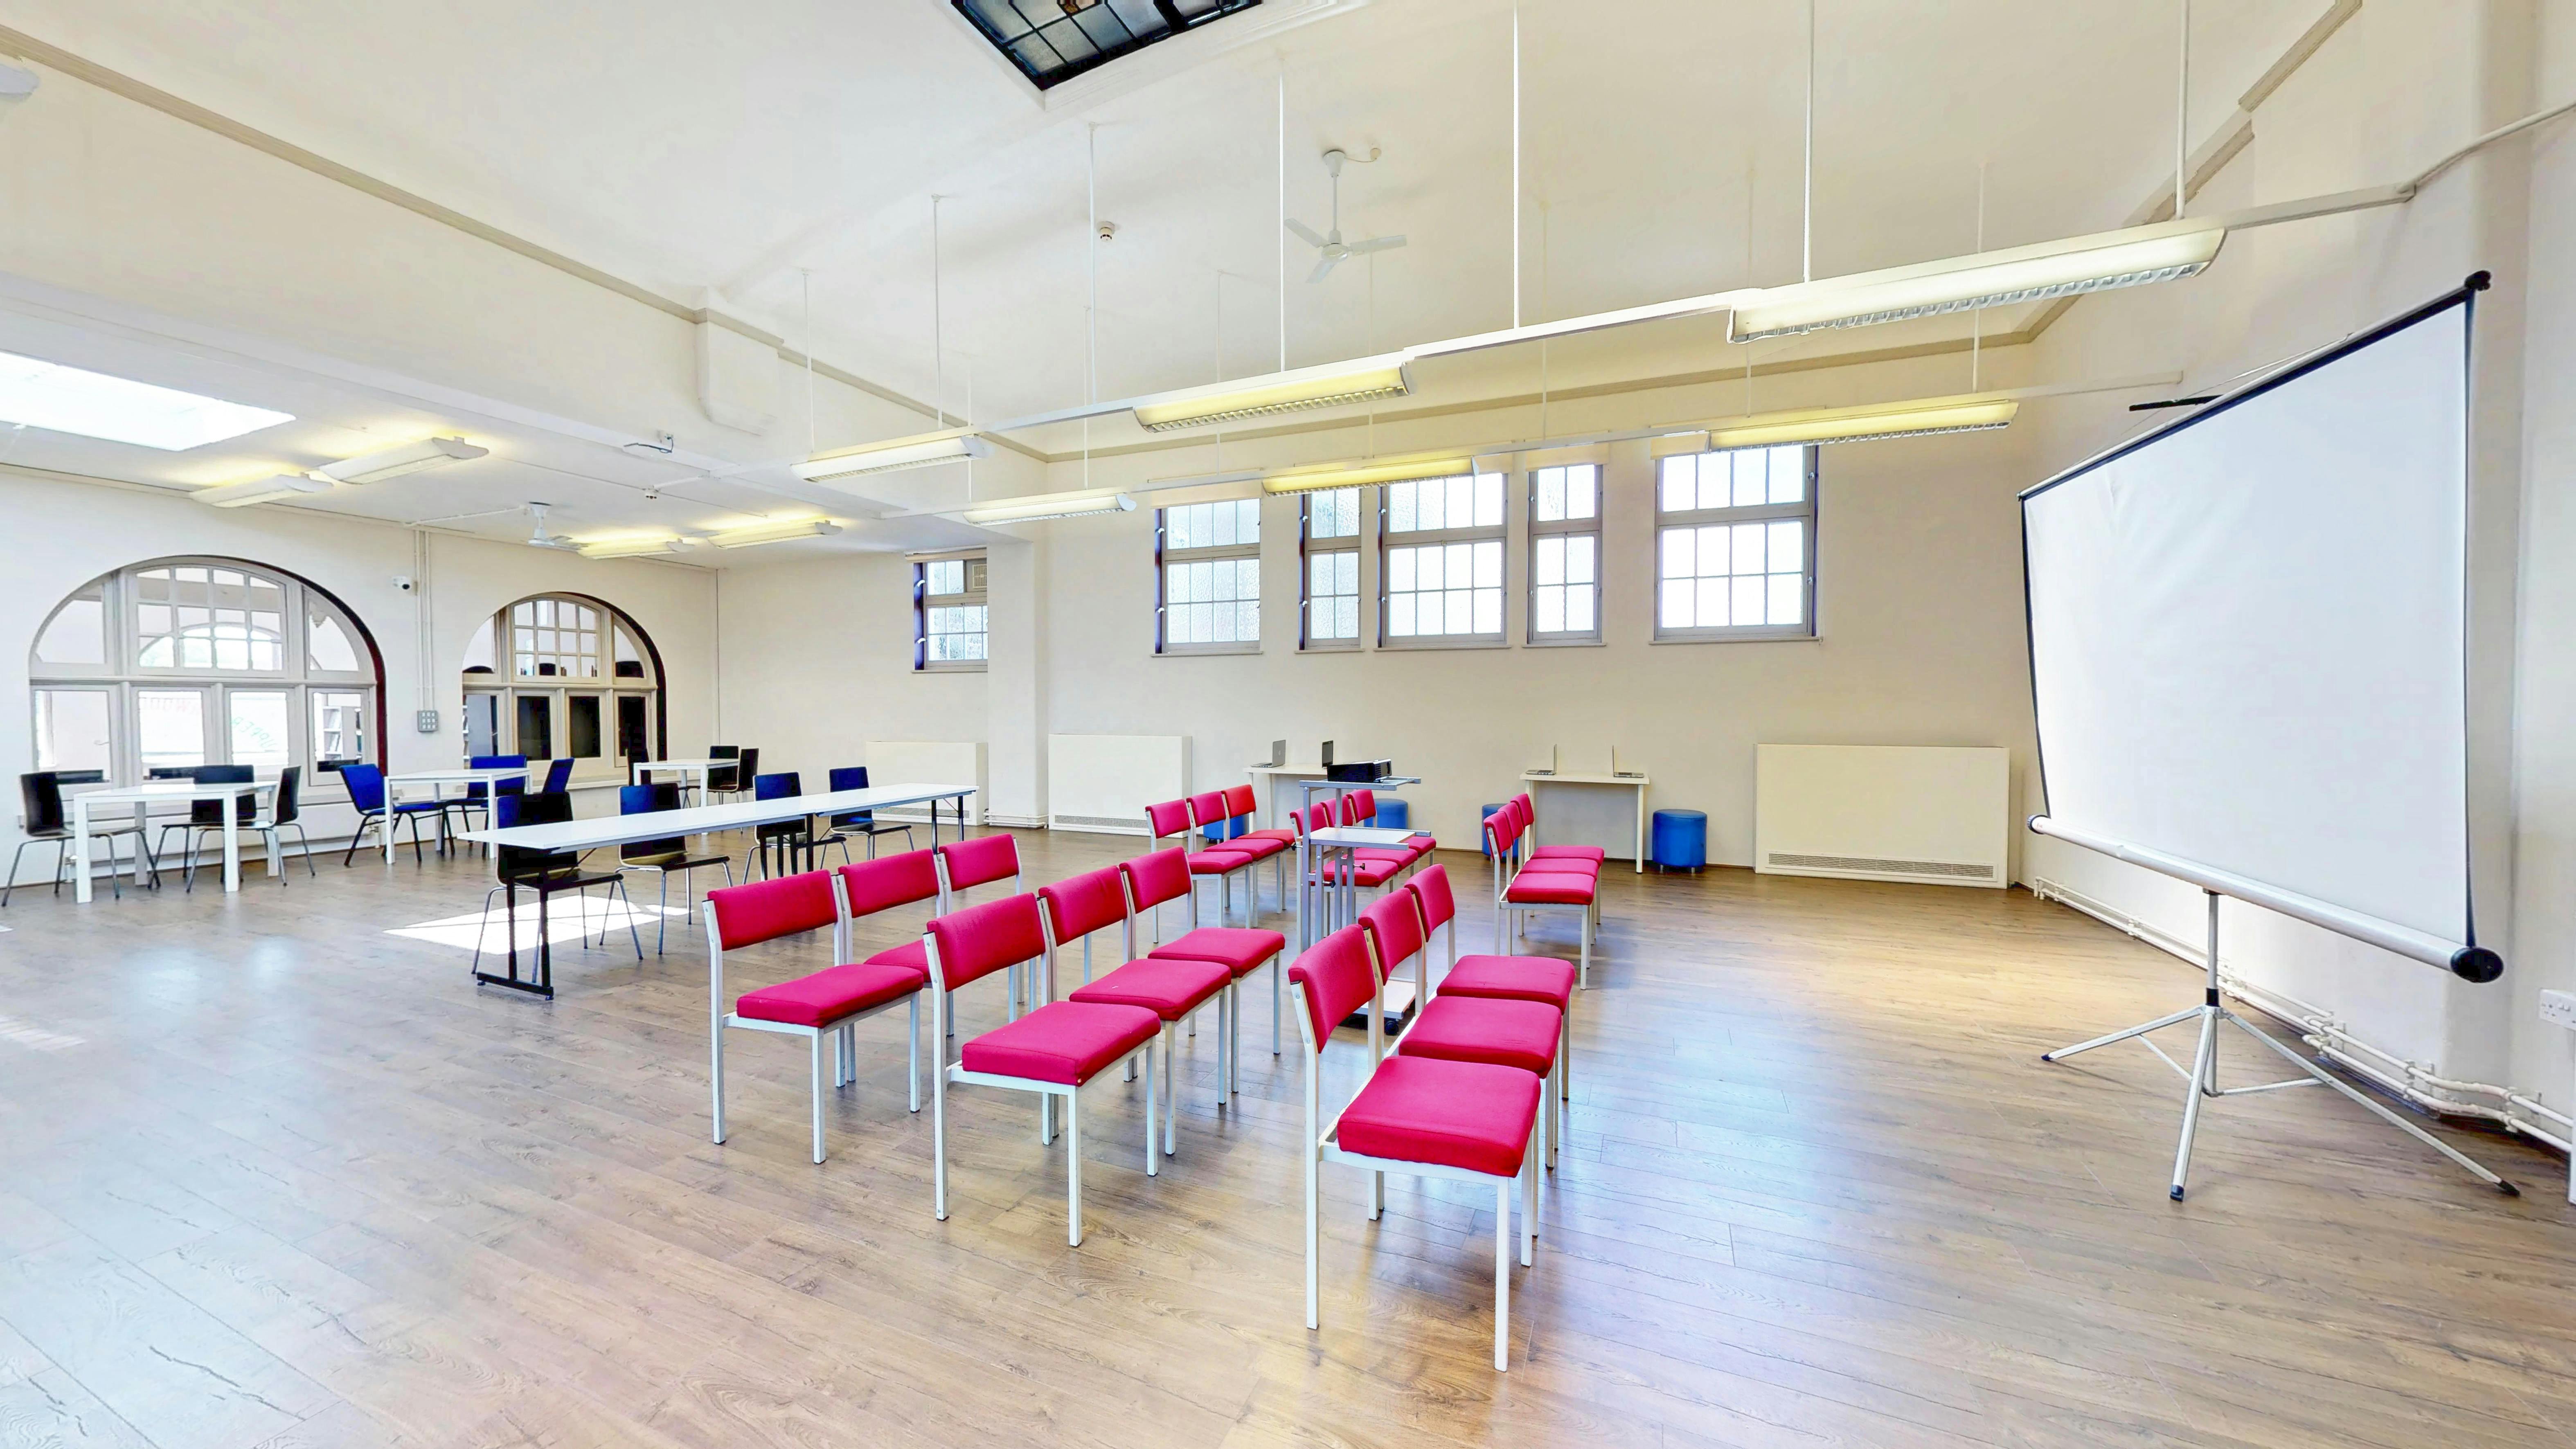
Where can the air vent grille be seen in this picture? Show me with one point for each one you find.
(1862, 865)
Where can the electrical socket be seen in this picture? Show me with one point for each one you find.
(2558, 1008)
(426, 720)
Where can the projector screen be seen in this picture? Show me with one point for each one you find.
(2248, 637)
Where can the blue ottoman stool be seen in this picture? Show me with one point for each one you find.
(1484, 846)
(1680, 839)
(1394, 814)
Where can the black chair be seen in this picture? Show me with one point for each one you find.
(558, 776)
(786, 839)
(285, 811)
(859, 822)
(724, 779)
(549, 873)
(206, 816)
(40, 796)
(664, 856)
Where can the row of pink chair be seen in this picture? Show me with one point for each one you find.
(1531, 877)
(1460, 1094)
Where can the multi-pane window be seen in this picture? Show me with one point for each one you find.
(1565, 554)
(1441, 560)
(1207, 564)
(949, 616)
(554, 638)
(554, 676)
(1331, 578)
(1735, 544)
(185, 662)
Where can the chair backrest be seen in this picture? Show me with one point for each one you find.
(1156, 878)
(1333, 979)
(1079, 905)
(1208, 809)
(776, 787)
(520, 862)
(1168, 817)
(288, 802)
(1439, 905)
(211, 812)
(1319, 816)
(40, 796)
(644, 800)
(765, 910)
(974, 943)
(724, 777)
(1240, 802)
(1526, 808)
(558, 775)
(851, 777)
(496, 762)
(1501, 829)
(1363, 807)
(749, 769)
(366, 787)
(1394, 932)
(981, 861)
(877, 885)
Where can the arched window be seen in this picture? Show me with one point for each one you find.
(560, 675)
(203, 661)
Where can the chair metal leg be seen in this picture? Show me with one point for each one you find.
(1072, 1166)
(633, 934)
(818, 1095)
(485, 924)
(912, 1050)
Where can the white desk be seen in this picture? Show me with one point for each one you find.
(1535, 778)
(1279, 775)
(438, 781)
(645, 770)
(86, 804)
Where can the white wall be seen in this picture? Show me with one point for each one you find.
(63, 534)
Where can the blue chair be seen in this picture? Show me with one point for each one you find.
(786, 838)
(366, 785)
(859, 822)
(558, 776)
(478, 796)
(663, 856)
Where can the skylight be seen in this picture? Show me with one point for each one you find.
(63, 399)
(1055, 40)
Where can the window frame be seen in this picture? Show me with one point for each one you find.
(1165, 557)
(923, 601)
(507, 688)
(1563, 528)
(1498, 534)
(1309, 547)
(1807, 510)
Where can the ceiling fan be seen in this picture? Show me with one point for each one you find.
(543, 538)
(1331, 245)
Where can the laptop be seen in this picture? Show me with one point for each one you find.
(1551, 763)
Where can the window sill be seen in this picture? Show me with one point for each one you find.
(1330, 646)
(1441, 642)
(954, 666)
(1763, 636)
(1190, 651)
(1588, 642)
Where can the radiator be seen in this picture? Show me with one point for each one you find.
(1102, 783)
(929, 762)
(1936, 816)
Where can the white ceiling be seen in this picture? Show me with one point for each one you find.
(684, 147)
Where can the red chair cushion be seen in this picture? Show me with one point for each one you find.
(1062, 1041)
(911, 955)
(1515, 978)
(1419, 844)
(1451, 1114)
(1367, 872)
(832, 993)
(1535, 888)
(1259, 847)
(1169, 986)
(1591, 853)
(1218, 862)
(1399, 857)
(1283, 836)
(1519, 1034)
(1241, 949)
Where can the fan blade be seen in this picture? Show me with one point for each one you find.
(1377, 244)
(1323, 269)
(1305, 233)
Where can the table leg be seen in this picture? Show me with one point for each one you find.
(388, 832)
(1303, 940)
(232, 846)
(80, 850)
(142, 818)
(276, 857)
(1641, 830)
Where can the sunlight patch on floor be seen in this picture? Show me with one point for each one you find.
(567, 922)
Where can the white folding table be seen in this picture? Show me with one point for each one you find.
(87, 803)
(1637, 783)
(645, 770)
(437, 782)
(606, 830)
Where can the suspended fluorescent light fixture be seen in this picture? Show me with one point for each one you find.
(2096, 263)
(1281, 392)
(1911, 419)
(39, 394)
(395, 462)
(260, 490)
(1037, 507)
(918, 451)
(628, 547)
(1357, 475)
(773, 532)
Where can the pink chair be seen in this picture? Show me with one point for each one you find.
(1209, 810)
(1502, 1031)
(1529, 822)
(971, 863)
(1172, 817)
(1171, 987)
(1428, 1116)
(1052, 1051)
(824, 1004)
(1240, 803)
(1512, 978)
(1164, 876)
(1558, 884)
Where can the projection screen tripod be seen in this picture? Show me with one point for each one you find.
(2202, 1076)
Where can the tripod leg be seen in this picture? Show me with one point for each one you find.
(2204, 1079)
(2159, 1024)
(2391, 1118)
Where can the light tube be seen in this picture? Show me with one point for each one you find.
(2128, 258)
(918, 451)
(1040, 506)
(260, 490)
(773, 532)
(394, 462)
(59, 399)
(628, 547)
(1280, 392)
(1909, 419)
(1357, 475)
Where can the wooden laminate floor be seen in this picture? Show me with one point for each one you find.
(271, 1176)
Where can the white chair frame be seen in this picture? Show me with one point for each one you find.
(1229, 1002)
(954, 1072)
(1550, 1136)
(953, 898)
(1171, 1064)
(845, 1061)
(1511, 917)
(1196, 835)
(1423, 991)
